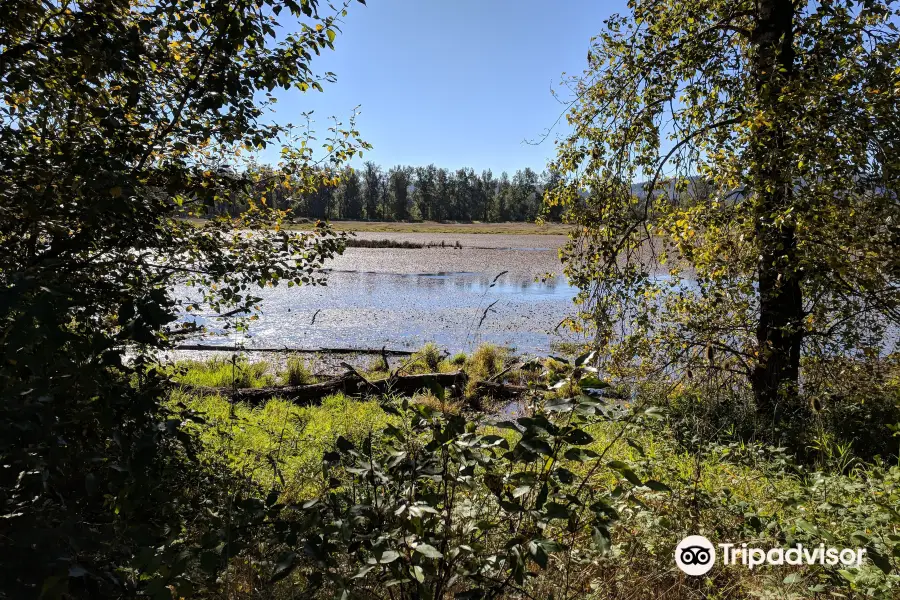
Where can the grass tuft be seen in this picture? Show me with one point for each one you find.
(298, 371)
(426, 360)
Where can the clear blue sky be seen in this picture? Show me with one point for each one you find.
(457, 83)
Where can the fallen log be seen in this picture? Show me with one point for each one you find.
(211, 348)
(350, 383)
(410, 384)
(299, 394)
(500, 390)
(505, 391)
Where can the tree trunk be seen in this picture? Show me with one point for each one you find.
(776, 374)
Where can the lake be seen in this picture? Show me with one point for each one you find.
(490, 290)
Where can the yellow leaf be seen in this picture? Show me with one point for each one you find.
(115, 192)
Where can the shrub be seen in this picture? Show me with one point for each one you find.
(582, 498)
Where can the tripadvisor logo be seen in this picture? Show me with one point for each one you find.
(695, 555)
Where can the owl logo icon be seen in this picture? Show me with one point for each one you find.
(695, 555)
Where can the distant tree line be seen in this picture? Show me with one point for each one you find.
(405, 193)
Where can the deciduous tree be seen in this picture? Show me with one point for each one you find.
(786, 112)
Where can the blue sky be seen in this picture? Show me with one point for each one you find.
(457, 83)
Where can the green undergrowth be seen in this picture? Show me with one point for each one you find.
(729, 492)
(223, 373)
(653, 486)
(279, 444)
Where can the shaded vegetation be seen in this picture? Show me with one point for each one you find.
(428, 467)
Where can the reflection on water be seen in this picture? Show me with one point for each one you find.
(457, 310)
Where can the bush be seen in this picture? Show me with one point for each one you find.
(582, 498)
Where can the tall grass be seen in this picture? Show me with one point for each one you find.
(280, 444)
(298, 371)
(223, 373)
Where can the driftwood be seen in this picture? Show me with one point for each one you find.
(350, 383)
(382, 351)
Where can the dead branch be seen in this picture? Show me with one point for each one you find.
(210, 348)
(351, 384)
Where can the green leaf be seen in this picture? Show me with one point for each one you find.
(585, 358)
(388, 556)
(362, 571)
(536, 445)
(879, 560)
(417, 572)
(578, 437)
(631, 476)
(538, 553)
(564, 475)
(591, 382)
(601, 538)
(429, 551)
(521, 491)
(657, 486)
(492, 441)
(847, 575)
(580, 454)
(560, 405)
(555, 510)
(283, 566)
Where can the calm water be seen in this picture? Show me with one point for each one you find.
(485, 292)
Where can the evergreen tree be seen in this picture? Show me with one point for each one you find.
(504, 198)
(486, 194)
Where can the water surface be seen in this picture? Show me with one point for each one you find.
(494, 290)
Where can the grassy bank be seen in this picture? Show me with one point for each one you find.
(516, 228)
(402, 245)
(449, 228)
(652, 486)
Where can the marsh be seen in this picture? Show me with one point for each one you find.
(503, 289)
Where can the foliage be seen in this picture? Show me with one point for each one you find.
(433, 508)
(428, 193)
(278, 444)
(577, 499)
(116, 121)
(487, 361)
(429, 357)
(765, 132)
